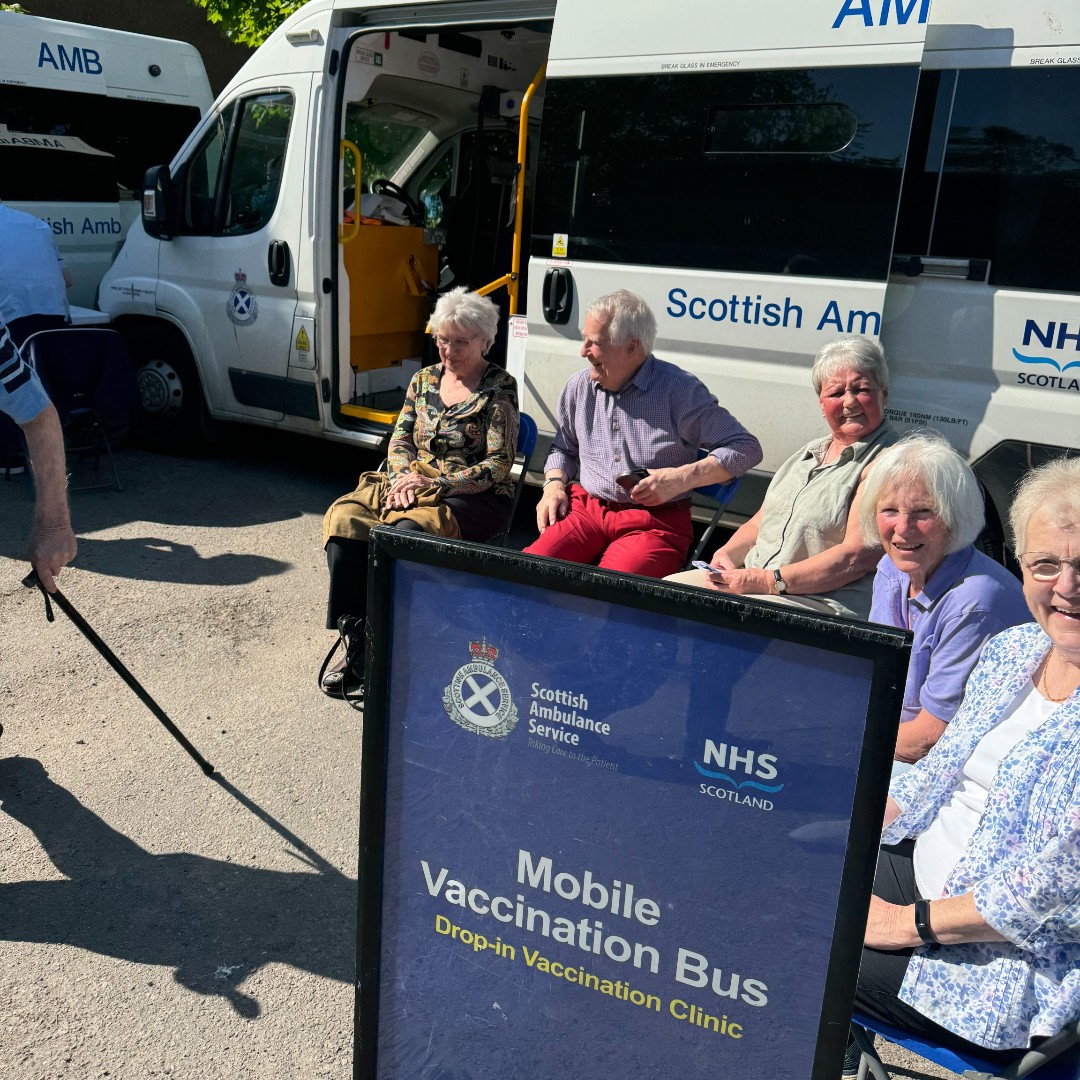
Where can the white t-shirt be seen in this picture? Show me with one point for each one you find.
(940, 848)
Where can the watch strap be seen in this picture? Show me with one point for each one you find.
(922, 924)
(778, 583)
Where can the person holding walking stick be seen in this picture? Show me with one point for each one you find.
(52, 543)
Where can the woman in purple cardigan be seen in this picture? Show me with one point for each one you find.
(922, 503)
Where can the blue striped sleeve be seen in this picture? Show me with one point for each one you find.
(22, 396)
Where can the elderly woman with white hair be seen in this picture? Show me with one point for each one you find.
(923, 504)
(448, 468)
(973, 935)
(804, 547)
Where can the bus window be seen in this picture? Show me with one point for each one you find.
(1010, 181)
(255, 169)
(250, 135)
(146, 133)
(61, 146)
(387, 136)
(435, 187)
(792, 171)
(203, 171)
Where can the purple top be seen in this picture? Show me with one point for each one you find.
(659, 420)
(968, 599)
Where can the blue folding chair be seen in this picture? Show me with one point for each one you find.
(1056, 1058)
(721, 495)
(526, 445)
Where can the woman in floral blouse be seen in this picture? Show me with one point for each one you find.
(448, 463)
(987, 825)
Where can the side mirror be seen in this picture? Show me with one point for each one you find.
(158, 203)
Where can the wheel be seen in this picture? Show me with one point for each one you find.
(383, 186)
(168, 415)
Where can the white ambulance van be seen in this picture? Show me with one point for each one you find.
(768, 177)
(84, 112)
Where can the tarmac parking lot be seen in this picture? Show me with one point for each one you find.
(155, 922)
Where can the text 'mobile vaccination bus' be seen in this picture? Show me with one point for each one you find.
(907, 169)
(84, 111)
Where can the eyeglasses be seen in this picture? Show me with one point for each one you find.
(454, 343)
(1043, 566)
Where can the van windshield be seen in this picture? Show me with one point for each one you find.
(387, 136)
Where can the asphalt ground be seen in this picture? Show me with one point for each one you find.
(155, 922)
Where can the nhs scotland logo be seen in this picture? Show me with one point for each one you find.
(1049, 353)
(738, 776)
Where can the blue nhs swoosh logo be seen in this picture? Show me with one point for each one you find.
(1051, 336)
(737, 785)
(726, 758)
(1049, 360)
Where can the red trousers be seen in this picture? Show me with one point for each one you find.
(647, 540)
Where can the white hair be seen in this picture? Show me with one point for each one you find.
(469, 312)
(1052, 489)
(925, 459)
(626, 316)
(862, 355)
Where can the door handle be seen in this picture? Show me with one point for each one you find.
(279, 262)
(558, 295)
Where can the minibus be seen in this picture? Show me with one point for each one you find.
(767, 178)
(84, 111)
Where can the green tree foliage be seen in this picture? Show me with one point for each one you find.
(248, 22)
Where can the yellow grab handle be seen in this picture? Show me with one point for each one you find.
(347, 232)
(519, 209)
(512, 280)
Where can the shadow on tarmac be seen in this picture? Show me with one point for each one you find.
(250, 477)
(150, 558)
(213, 922)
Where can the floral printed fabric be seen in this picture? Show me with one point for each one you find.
(1022, 864)
(471, 444)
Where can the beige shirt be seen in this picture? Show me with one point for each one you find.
(806, 512)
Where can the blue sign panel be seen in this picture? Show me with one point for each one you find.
(611, 839)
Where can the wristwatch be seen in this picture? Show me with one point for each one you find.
(922, 924)
(778, 583)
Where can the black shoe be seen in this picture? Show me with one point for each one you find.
(852, 1060)
(341, 682)
(346, 678)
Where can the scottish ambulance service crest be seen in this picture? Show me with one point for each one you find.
(242, 307)
(478, 698)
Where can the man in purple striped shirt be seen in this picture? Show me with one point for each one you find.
(628, 413)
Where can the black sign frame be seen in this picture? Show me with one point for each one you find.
(887, 648)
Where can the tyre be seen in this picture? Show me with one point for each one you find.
(168, 414)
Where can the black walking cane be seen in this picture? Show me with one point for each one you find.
(32, 581)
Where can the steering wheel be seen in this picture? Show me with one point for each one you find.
(383, 186)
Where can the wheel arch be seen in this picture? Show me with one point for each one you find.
(172, 412)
